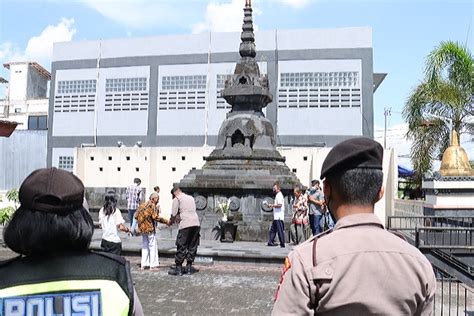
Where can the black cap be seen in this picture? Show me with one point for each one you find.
(353, 153)
(52, 190)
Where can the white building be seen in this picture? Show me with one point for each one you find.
(164, 91)
(26, 99)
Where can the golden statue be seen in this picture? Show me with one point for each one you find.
(455, 161)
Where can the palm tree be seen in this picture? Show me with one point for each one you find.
(447, 91)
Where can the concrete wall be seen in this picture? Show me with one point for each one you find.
(37, 85)
(18, 82)
(163, 166)
(20, 154)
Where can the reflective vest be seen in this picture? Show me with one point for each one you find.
(71, 283)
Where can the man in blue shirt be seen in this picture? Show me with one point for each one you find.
(316, 202)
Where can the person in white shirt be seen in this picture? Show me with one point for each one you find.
(110, 219)
(278, 225)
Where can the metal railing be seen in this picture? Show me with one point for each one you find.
(452, 297)
(447, 238)
(409, 223)
(447, 242)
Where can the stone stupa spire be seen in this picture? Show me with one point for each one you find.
(247, 46)
(247, 90)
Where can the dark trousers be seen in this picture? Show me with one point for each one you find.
(277, 227)
(111, 247)
(187, 243)
(131, 213)
(315, 223)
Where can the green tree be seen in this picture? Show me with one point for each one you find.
(6, 213)
(446, 91)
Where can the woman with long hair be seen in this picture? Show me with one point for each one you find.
(51, 231)
(111, 219)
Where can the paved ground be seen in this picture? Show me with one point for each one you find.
(216, 290)
(257, 252)
(220, 288)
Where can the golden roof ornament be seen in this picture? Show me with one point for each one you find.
(455, 162)
(248, 3)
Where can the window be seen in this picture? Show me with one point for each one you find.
(194, 82)
(126, 84)
(126, 94)
(221, 79)
(182, 93)
(76, 86)
(75, 96)
(66, 163)
(38, 122)
(319, 79)
(319, 89)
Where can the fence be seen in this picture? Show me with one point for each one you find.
(408, 208)
(20, 154)
(447, 243)
(452, 296)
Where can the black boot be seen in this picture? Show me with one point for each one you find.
(190, 269)
(177, 271)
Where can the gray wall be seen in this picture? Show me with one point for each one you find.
(37, 85)
(20, 154)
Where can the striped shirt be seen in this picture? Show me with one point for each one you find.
(133, 197)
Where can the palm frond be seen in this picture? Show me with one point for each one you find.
(452, 62)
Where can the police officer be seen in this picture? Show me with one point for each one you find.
(56, 273)
(359, 268)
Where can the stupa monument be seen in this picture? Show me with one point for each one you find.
(450, 192)
(245, 164)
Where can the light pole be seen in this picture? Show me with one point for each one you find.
(386, 112)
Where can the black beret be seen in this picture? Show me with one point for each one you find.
(52, 190)
(360, 152)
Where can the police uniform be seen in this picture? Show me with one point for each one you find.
(55, 279)
(358, 268)
(65, 284)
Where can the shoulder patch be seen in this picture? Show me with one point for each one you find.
(286, 267)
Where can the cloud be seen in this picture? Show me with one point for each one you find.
(298, 4)
(6, 50)
(137, 14)
(223, 17)
(39, 48)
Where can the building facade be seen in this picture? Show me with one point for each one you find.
(26, 100)
(164, 91)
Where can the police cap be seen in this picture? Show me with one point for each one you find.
(360, 152)
(52, 190)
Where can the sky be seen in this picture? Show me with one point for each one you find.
(403, 31)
